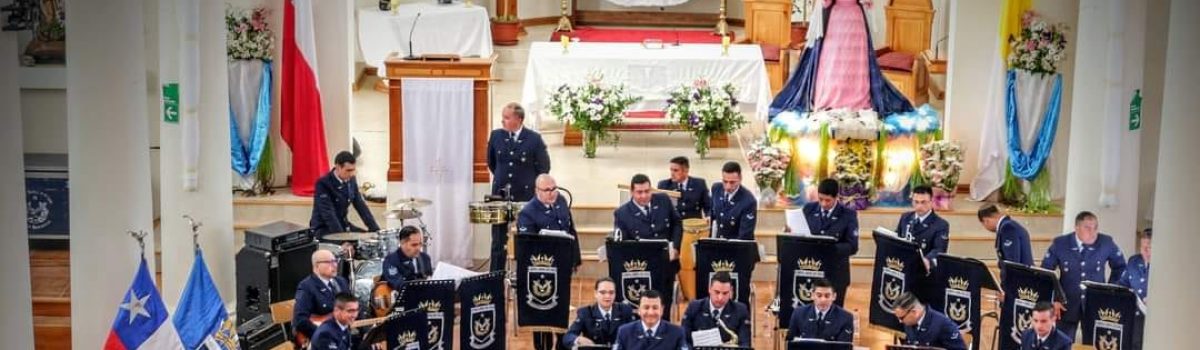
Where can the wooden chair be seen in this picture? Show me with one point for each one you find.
(909, 27)
(281, 314)
(769, 24)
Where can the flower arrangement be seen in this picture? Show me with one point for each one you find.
(593, 108)
(704, 110)
(248, 37)
(769, 164)
(843, 124)
(854, 165)
(942, 163)
(1041, 46)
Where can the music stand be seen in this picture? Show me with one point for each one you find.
(722, 348)
(818, 344)
(593, 347)
(912, 347)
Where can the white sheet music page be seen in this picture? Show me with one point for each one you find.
(707, 337)
(796, 222)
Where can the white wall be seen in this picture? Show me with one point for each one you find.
(17, 328)
(1152, 97)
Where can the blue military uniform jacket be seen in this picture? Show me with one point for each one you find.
(516, 162)
(632, 336)
(736, 217)
(699, 316)
(932, 233)
(331, 204)
(330, 336)
(841, 224)
(1077, 263)
(694, 201)
(590, 323)
(1055, 341)
(1012, 242)
(935, 330)
(314, 298)
(1137, 275)
(398, 268)
(660, 221)
(536, 216)
(838, 324)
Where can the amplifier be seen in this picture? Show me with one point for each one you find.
(277, 236)
(266, 277)
(260, 333)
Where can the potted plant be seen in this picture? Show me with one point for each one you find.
(594, 108)
(505, 26)
(800, 11)
(705, 111)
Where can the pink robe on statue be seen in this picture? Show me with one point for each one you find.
(842, 78)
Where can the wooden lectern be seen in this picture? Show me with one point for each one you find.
(479, 69)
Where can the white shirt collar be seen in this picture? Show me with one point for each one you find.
(324, 280)
(603, 312)
(517, 134)
(1078, 242)
(651, 329)
(820, 312)
(715, 308)
(344, 326)
(921, 218)
(922, 319)
(1041, 338)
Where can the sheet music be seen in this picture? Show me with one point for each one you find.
(707, 337)
(796, 222)
(881, 229)
(602, 253)
(556, 233)
(447, 271)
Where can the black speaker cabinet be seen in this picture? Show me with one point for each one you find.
(260, 334)
(265, 277)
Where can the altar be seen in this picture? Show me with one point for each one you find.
(435, 29)
(648, 73)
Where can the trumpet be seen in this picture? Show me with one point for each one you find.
(733, 337)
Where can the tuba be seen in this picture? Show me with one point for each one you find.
(733, 337)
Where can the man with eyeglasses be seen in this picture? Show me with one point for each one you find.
(335, 333)
(926, 327)
(315, 295)
(822, 319)
(548, 212)
(597, 324)
(408, 262)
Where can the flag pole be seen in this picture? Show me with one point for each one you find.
(140, 236)
(195, 230)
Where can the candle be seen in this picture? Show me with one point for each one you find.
(724, 45)
(566, 40)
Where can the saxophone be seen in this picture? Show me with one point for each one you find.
(733, 337)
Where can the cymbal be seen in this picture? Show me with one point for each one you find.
(412, 202)
(349, 236)
(403, 214)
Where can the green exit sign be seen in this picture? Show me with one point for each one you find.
(171, 103)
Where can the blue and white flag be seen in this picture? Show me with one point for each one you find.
(142, 321)
(201, 318)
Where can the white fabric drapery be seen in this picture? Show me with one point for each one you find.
(189, 91)
(244, 79)
(1033, 93)
(464, 31)
(438, 152)
(1114, 107)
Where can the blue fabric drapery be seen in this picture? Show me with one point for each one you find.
(797, 94)
(246, 156)
(1027, 165)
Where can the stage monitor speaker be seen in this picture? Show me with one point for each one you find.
(260, 333)
(265, 277)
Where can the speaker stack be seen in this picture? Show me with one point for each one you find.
(275, 258)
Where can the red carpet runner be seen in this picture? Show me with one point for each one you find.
(620, 35)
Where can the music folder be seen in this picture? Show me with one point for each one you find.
(912, 347)
(818, 344)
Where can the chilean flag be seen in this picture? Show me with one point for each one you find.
(303, 126)
(142, 321)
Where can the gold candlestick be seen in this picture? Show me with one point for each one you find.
(722, 26)
(564, 22)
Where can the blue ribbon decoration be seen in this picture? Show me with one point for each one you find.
(1026, 166)
(246, 157)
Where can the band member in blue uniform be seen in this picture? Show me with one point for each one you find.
(652, 332)
(926, 327)
(649, 215)
(315, 294)
(822, 319)
(718, 311)
(335, 333)
(334, 194)
(1042, 335)
(1080, 256)
(925, 227)
(597, 324)
(408, 262)
(515, 156)
(1137, 270)
(734, 209)
(828, 217)
(548, 212)
(1012, 240)
(694, 201)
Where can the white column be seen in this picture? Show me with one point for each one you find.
(17, 327)
(334, 23)
(1174, 279)
(1093, 105)
(109, 159)
(212, 201)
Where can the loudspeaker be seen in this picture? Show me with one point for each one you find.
(265, 277)
(260, 334)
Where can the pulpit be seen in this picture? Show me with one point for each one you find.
(477, 69)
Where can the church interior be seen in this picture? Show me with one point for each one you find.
(199, 148)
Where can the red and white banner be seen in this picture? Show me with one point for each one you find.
(302, 124)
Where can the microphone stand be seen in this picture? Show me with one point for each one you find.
(413, 28)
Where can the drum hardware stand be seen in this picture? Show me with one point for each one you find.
(195, 230)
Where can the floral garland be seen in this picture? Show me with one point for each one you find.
(248, 37)
(844, 124)
(769, 164)
(854, 166)
(704, 111)
(1040, 48)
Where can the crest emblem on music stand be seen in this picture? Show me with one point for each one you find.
(1108, 330)
(1023, 312)
(483, 322)
(807, 270)
(635, 280)
(726, 266)
(958, 303)
(543, 283)
(435, 320)
(893, 283)
(407, 340)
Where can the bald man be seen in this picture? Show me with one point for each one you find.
(548, 212)
(315, 295)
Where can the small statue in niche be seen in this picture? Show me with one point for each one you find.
(45, 19)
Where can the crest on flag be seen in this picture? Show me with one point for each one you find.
(483, 322)
(1108, 330)
(958, 303)
(807, 270)
(434, 317)
(1023, 312)
(635, 280)
(201, 317)
(893, 283)
(726, 266)
(543, 283)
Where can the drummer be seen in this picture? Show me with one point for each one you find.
(335, 193)
(408, 262)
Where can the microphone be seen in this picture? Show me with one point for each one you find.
(493, 198)
(411, 55)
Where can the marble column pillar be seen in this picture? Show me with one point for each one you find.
(17, 327)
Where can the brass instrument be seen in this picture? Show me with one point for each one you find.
(733, 337)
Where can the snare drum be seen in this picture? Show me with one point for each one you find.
(491, 213)
(370, 249)
(693, 230)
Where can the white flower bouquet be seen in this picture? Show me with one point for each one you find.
(248, 37)
(1040, 48)
(593, 107)
(704, 110)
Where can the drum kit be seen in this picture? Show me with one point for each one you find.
(494, 213)
(368, 249)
